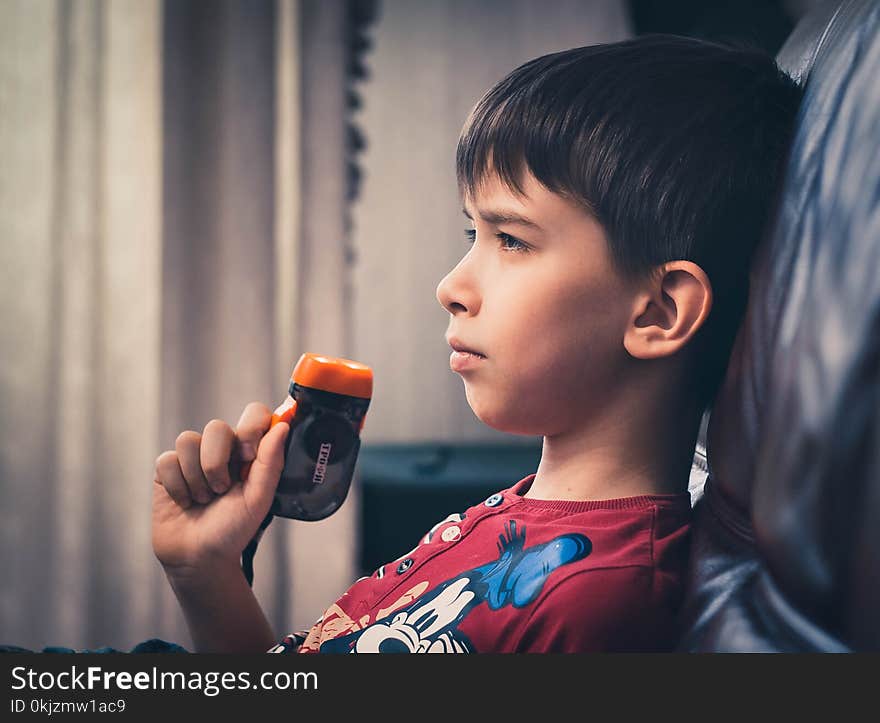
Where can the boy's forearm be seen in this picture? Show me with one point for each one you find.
(222, 611)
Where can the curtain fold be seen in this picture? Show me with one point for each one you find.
(80, 221)
(218, 348)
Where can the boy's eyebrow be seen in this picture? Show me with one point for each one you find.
(497, 216)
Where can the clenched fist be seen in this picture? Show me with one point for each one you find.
(212, 491)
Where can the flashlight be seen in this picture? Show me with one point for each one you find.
(326, 407)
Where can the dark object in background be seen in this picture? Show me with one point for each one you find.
(786, 538)
(153, 645)
(406, 489)
(758, 23)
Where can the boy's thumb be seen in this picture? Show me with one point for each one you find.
(265, 471)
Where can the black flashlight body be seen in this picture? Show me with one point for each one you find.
(320, 453)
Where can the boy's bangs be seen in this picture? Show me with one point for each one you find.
(490, 144)
(519, 126)
(506, 136)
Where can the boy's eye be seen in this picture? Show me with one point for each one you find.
(508, 242)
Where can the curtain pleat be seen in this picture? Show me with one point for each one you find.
(82, 246)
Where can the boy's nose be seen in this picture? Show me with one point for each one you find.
(455, 293)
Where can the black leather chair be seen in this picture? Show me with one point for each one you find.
(786, 547)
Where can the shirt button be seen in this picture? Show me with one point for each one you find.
(450, 533)
(404, 566)
(494, 500)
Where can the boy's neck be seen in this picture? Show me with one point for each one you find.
(641, 446)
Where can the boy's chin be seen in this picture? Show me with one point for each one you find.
(501, 419)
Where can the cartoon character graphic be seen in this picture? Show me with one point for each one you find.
(430, 623)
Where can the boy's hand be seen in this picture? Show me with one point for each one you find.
(204, 512)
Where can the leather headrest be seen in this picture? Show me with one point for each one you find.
(793, 436)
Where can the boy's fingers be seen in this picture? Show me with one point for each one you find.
(215, 451)
(254, 423)
(266, 470)
(169, 475)
(187, 447)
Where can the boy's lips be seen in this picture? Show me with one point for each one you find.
(459, 346)
(461, 360)
(463, 356)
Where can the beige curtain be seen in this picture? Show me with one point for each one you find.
(157, 273)
(80, 223)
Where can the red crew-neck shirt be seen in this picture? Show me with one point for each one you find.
(515, 574)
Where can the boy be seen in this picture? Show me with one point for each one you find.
(616, 194)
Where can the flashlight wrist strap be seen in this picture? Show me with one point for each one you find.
(247, 555)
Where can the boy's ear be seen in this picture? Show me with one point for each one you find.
(671, 307)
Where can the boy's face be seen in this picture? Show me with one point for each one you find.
(550, 318)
